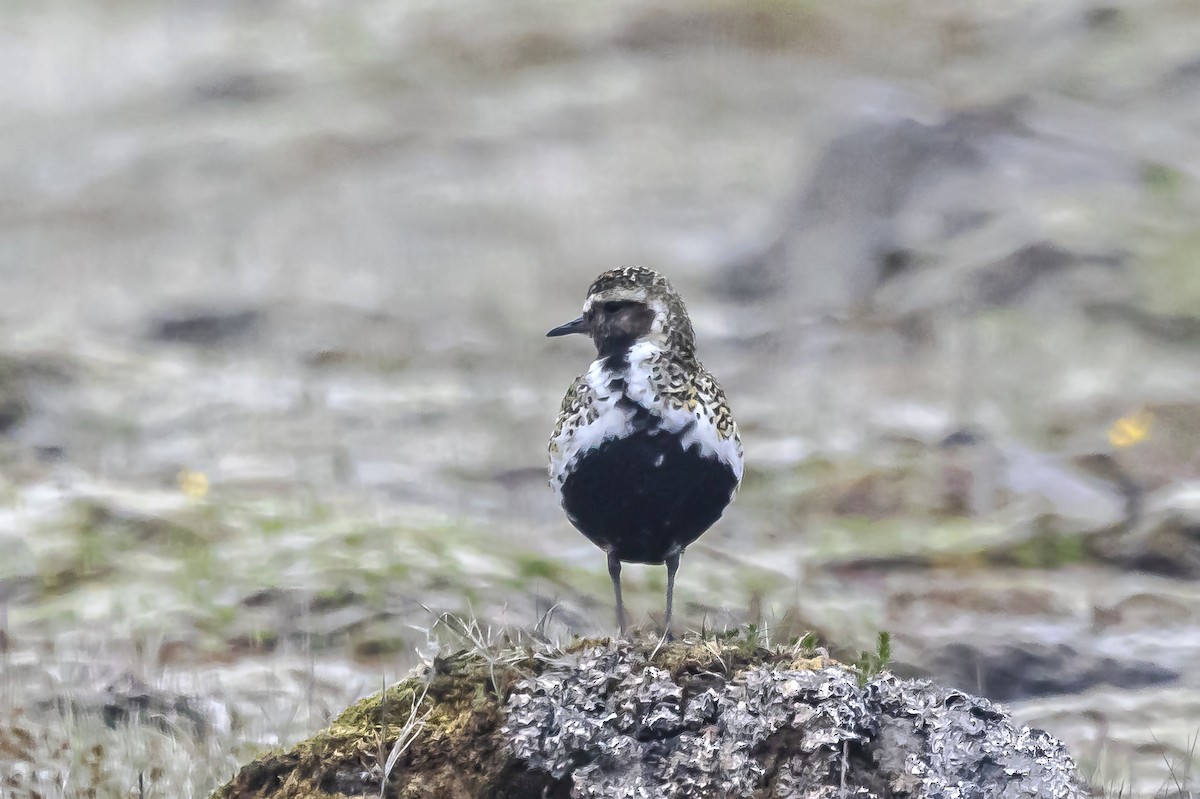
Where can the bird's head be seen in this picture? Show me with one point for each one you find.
(628, 305)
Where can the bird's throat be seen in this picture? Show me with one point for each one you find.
(614, 352)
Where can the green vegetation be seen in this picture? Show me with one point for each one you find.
(1170, 278)
(536, 567)
(870, 663)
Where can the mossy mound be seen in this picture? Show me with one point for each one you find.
(699, 717)
(458, 750)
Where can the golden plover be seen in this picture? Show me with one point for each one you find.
(645, 456)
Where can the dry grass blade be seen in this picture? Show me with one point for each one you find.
(408, 733)
(484, 645)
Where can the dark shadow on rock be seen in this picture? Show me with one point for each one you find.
(1167, 328)
(206, 327)
(755, 26)
(1013, 277)
(23, 379)
(1168, 547)
(14, 407)
(234, 86)
(128, 700)
(1182, 82)
(1013, 672)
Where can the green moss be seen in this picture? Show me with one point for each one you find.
(122, 531)
(198, 566)
(841, 537)
(338, 596)
(380, 646)
(532, 567)
(255, 641)
(355, 540)
(1160, 178)
(655, 580)
(1171, 280)
(728, 653)
(272, 525)
(1046, 549)
(458, 716)
(221, 617)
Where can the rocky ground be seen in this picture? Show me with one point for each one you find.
(720, 716)
(274, 392)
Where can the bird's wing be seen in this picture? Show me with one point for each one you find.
(579, 413)
(716, 431)
(576, 405)
(691, 403)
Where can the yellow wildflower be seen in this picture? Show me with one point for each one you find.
(194, 485)
(1130, 430)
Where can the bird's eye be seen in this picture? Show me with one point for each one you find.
(612, 306)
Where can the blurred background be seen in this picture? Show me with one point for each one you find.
(275, 392)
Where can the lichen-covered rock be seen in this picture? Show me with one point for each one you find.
(697, 718)
(619, 727)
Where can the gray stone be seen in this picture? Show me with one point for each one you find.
(773, 731)
(1012, 672)
(908, 216)
(205, 327)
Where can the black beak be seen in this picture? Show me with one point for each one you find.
(579, 325)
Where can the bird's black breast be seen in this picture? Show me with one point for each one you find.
(646, 495)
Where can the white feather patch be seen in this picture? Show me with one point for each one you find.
(613, 421)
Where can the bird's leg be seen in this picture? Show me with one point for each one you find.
(614, 573)
(672, 567)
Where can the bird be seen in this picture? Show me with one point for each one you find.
(645, 455)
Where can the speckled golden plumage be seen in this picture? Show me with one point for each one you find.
(645, 454)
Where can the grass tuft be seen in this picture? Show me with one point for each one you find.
(871, 663)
